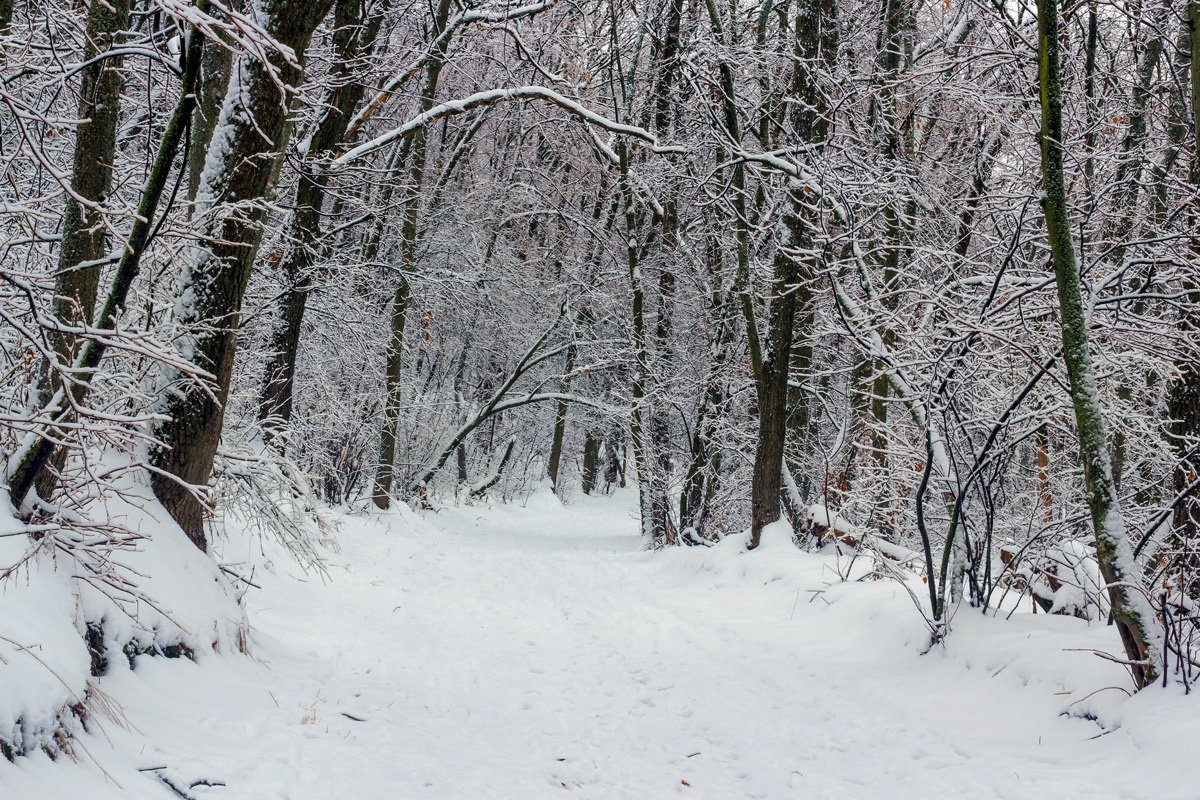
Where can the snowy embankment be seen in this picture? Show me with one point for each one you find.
(539, 651)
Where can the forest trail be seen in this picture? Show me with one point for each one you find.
(540, 652)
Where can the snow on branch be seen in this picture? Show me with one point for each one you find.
(397, 81)
(491, 97)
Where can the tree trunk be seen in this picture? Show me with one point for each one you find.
(741, 219)
(701, 475)
(656, 522)
(591, 462)
(614, 467)
(353, 38)
(772, 400)
(84, 237)
(895, 36)
(800, 421)
(1128, 182)
(241, 163)
(1131, 610)
(389, 432)
(815, 50)
(1183, 400)
(385, 469)
(38, 447)
(461, 457)
(666, 64)
(1041, 445)
(215, 68)
(560, 424)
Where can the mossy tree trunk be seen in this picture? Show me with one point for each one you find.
(1131, 610)
(38, 448)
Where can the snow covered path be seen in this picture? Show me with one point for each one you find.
(540, 653)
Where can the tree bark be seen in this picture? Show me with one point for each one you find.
(741, 219)
(772, 401)
(895, 37)
(701, 476)
(215, 68)
(83, 236)
(560, 423)
(656, 522)
(591, 462)
(666, 66)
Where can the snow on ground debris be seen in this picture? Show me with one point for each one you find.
(540, 652)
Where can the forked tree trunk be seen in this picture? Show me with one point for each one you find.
(385, 469)
(1131, 610)
(766, 489)
(242, 158)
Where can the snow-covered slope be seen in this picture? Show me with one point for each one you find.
(540, 652)
(141, 587)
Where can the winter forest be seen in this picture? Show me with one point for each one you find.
(633, 398)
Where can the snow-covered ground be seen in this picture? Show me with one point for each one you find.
(540, 652)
